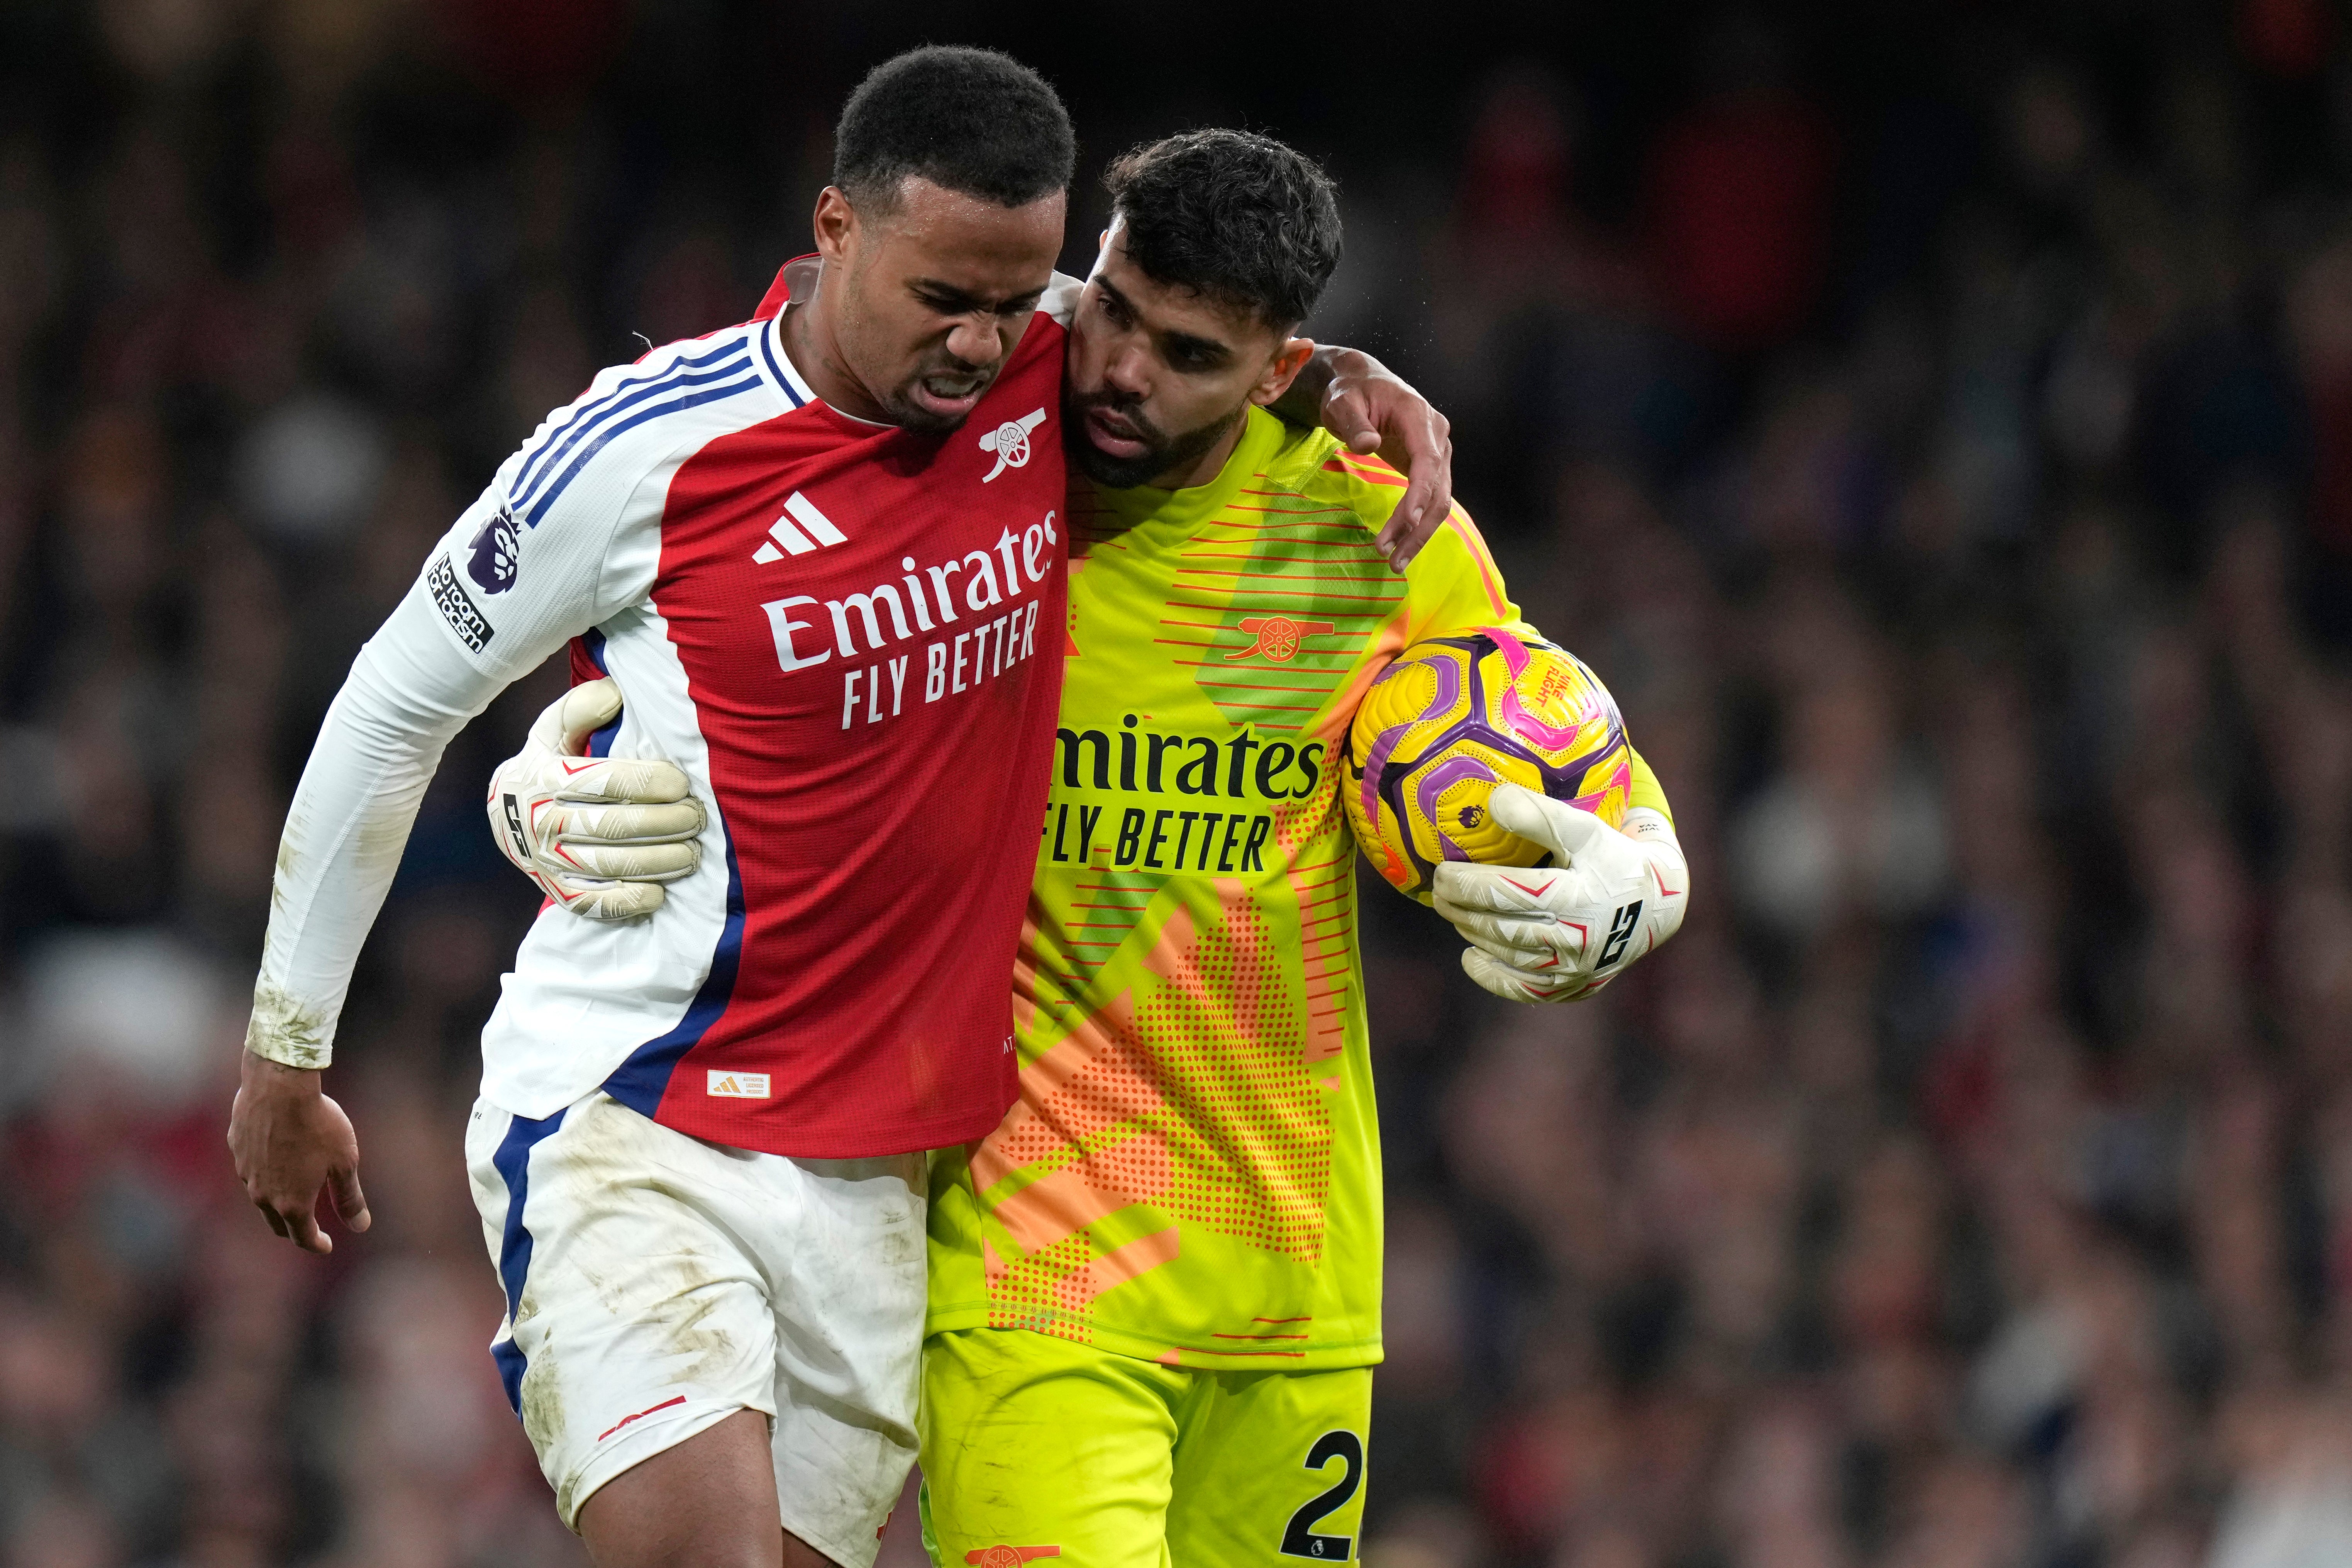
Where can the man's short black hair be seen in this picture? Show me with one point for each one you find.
(1238, 218)
(971, 120)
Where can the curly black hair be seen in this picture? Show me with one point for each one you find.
(972, 121)
(1237, 217)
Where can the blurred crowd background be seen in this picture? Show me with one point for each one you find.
(1935, 422)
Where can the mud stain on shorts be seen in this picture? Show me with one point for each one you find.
(542, 1387)
(670, 1291)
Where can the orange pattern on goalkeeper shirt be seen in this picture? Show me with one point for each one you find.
(1216, 1123)
(1075, 1291)
(1099, 1076)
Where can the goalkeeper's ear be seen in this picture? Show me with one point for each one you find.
(1290, 357)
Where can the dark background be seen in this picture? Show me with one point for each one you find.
(1934, 421)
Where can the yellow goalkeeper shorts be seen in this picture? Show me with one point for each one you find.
(1033, 1446)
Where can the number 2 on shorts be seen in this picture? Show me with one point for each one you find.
(1300, 1540)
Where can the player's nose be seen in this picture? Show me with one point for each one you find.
(1129, 370)
(977, 341)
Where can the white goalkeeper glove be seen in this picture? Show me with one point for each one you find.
(599, 834)
(1560, 933)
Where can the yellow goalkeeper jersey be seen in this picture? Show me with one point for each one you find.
(1192, 1171)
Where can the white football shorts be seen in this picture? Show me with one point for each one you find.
(656, 1284)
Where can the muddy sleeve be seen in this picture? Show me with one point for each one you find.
(410, 690)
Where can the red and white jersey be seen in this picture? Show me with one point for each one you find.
(847, 635)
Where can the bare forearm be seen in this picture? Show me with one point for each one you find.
(1372, 409)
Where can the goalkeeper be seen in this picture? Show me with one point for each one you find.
(1155, 1288)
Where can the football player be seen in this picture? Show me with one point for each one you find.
(1154, 1290)
(823, 551)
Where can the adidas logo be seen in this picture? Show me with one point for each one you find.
(801, 510)
(739, 1085)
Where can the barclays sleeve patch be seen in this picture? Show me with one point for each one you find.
(450, 596)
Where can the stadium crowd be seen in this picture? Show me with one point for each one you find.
(1949, 468)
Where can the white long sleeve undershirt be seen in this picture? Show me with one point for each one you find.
(410, 690)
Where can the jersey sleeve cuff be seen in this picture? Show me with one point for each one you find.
(286, 1032)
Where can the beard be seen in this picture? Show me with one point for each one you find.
(1162, 453)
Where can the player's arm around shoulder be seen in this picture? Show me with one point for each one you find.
(1374, 411)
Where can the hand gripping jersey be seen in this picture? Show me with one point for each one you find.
(1192, 1173)
(833, 626)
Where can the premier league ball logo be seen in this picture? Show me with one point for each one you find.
(496, 554)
